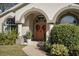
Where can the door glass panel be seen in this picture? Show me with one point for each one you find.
(40, 18)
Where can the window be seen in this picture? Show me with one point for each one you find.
(40, 18)
(68, 19)
(10, 24)
(10, 21)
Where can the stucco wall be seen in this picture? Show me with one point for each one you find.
(50, 9)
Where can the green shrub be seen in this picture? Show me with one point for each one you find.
(47, 47)
(59, 50)
(11, 37)
(74, 50)
(8, 38)
(66, 34)
(2, 38)
(28, 35)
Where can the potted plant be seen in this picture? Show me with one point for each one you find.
(28, 37)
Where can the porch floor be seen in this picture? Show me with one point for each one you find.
(33, 49)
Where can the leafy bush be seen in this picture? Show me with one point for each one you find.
(59, 50)
(47, 47)
(11, 37)
(8, 38)
(2, 38)
(66, 34)
(74, 50)
(28, 35)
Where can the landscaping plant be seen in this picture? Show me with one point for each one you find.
(59, 50)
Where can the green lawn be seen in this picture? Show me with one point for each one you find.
(11, 50)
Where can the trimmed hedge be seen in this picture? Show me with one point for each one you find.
(59, 50)
(66, 34)
(64, 40)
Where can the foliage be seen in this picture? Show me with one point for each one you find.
(8, 38)
(47, 47)
(2, 38)
(74, 51)
(66, 34)
(28, 35)
(11, 37)
(59, 50)
(64, 40)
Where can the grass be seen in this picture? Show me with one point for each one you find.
(11, 50)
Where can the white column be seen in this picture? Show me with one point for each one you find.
(48, 32)
(51, 26)
(20, 39)
(47, 35)
(19, 29)
(4, 28)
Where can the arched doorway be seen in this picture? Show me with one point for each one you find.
(37, 25)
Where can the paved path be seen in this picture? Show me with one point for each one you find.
(32, 50)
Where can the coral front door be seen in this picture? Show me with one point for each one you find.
(40, 32)
(39, 28)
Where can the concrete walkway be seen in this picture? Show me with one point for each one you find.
(33, 50)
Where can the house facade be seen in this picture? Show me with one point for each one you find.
(39, 18)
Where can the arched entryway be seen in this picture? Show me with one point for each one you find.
(39, 28)
(37, 24)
